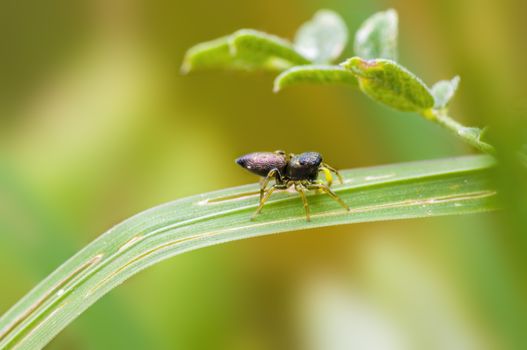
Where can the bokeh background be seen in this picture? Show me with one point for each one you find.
(96, 124)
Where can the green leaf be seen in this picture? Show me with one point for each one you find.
(443, 91)
(377, 36)
(318, 74)
(246, 49)
(387, 82)
(265, 50)
(401, 191)
(214, 54)
(323, 38)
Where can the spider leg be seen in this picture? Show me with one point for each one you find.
(302, 191)
(273, 174)
(326, 189)
(330, 168)
(327, 174)
(266, 197)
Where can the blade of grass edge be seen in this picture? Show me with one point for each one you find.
(400, 191)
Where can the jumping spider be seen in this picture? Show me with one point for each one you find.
(300, 171)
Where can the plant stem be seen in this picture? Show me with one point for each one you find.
(470, 135)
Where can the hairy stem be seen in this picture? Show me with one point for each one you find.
(470, 135)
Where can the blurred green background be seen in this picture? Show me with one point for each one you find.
(97, 124)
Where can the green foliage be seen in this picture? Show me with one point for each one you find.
(314, 75)
(377, 36)
(320, 40)
(323, 38)
(400, 191)
(214, 54)
(387, 82)
(261, 49)
(443, 91)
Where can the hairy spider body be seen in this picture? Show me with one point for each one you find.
(288, 170)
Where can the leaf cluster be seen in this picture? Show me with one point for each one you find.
(311, 58)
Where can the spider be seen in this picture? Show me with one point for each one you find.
(300, 171)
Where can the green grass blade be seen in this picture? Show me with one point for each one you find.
(410, 190)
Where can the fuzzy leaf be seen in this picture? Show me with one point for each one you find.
(318, 74)
(323, 38)
(265, 49)
(401, 191)
(443, 91)
(246, 49)
(387, 82)
(377, 36)
(214, 54)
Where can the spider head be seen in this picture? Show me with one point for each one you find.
(304, 166)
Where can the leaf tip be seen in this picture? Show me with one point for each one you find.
(322, 38)
(277, 86)
(455, 81)
(186, 67)
(377, 36)
(444, 90)
(392, 14)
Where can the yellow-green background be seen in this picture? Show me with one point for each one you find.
(96, 124)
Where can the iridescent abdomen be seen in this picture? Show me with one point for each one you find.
(261, 163)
